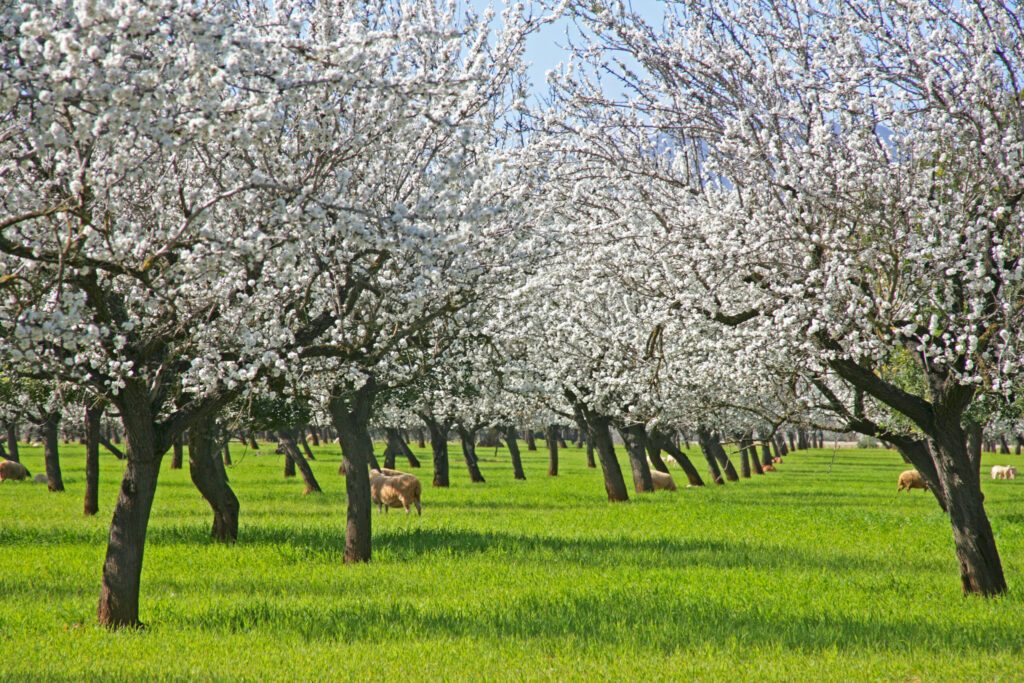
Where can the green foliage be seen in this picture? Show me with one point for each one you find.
(815, 572)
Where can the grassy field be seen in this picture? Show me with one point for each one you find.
(815, 572)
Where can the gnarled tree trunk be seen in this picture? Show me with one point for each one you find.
(93, 415)
(654, 454)
(352, 420)
(704, 440)
(439, 448)
(467, 436)
(513, 450)
(177, 453)
(673, 450)
(12, 441)
(206, 467)
(635, 439)
(551, 438)
(531, 443)
(286, 437)
(51, 425)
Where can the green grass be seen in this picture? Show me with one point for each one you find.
(809, 573)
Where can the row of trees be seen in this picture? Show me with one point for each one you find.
(749, 216)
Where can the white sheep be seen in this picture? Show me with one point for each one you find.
(1004, 472)
(394, 489)
(662, 481)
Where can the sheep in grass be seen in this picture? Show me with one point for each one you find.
(662, 481)
(1004, 472)
(911, 479)
(41, 479)
(395, 490)
(14, 471)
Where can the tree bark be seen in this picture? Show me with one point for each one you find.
(439, 447)
(513, 450)
(751, 448)
(1004, 447)
(1020, 443)
(766, 452)
(654, 454)
(707, 449)
(468, 438)
(289, 461)
(744, 461)
(206, 467)
(114, 450)
(291, 451)
(12, 442)
(551, 438)
(93, 416)
(599, 434)
(673, 450)
(635, 439)
(177, 454)
(300, 438)
(122, 568)
(352, 420)
(227, 452)
(531, 443)
(51, 425)
(314, 436)
(981, 570)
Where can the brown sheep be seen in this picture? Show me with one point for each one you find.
(911, 479)
(13, 470)
(395, 490)
(662, 481)
(768, 468)
(776, 459)
(41, 479)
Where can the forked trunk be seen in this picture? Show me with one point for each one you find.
(551, 438)
(598, 432)
(93, 415)
(513, 450)
(352, 420)
(468, 439)
(51, 424)
(635, 439)
(206, 467)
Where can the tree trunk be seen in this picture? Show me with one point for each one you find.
(581, 429)
(390, 452)
(404, 449)
(513, 450)
(178, 454)
(206, 467)
(635, 439)
(744, 461)
(780, 443)
(981, 571)
(917, 453)
(289, 461)
(531, 443)
(122, 568)
(1004, 447)
(704, 440)
(559, 437)
(598, 433)
(420, 439)
(975, 440)
(93, 416)
(1020, 443)
(286, 437)
(654, 454)
(227, 452)
(114, 450)
(51, 424)
(792, 444)
(751, 448)
(352, 420)
(551, 437)
(673, 450)
(300, 438)
(439, 447)
(766, 452)
(468, 438)
(12, 442)
(314, 436)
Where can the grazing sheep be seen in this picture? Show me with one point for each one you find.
(776, 459)
(1004, 472)
(13, 470)
(662, 481)
(41, 479)
(395, 490)
(911, 479)
(768, 468)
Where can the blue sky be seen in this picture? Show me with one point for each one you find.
(545, 50)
